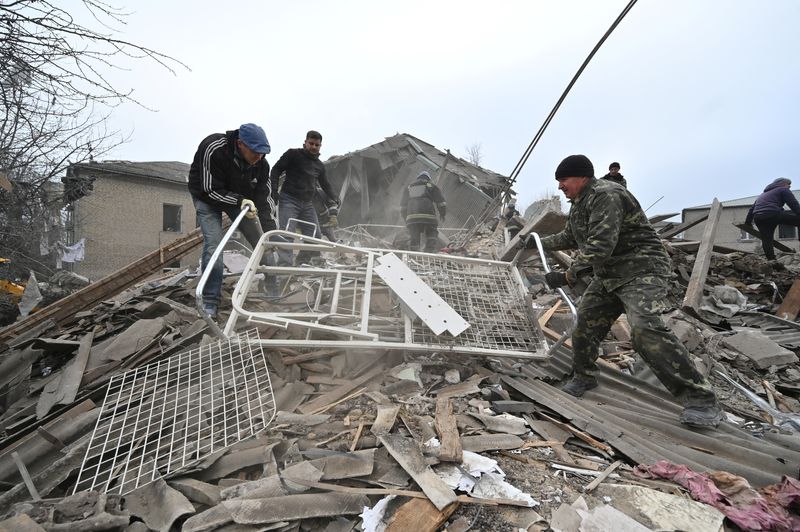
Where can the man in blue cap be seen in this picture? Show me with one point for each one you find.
(229, 173)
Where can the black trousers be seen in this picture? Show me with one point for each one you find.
(766, 224)
(431, 231)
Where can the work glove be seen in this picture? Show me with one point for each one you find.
(333, 221)
(441, 217)
(252, 211)
(556, 279)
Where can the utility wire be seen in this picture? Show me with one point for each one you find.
(493, 206)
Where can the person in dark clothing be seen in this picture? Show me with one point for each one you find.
(421, 200)
(631, 271)
(327, 214)
(768, 213)
(614, 175)
(229, 173)
(304, 171)
(514, 222)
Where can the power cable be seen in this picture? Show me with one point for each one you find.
(495, 203)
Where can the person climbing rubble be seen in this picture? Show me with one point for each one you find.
(768, 213)
(631, 270)
(420, 202)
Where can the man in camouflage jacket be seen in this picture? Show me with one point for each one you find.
(631, 271)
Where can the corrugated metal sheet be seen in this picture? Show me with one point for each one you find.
(641, 421)
(780, 331)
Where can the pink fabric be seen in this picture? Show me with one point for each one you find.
(773, 508)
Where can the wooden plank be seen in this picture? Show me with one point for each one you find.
(661, 217)
(337, 393)
(407, 454)
(66, 308)
(694, 292)
(420, 515)
(604, 475)
(548, 222)
(669, 233)
(791, 303)
(401, 493)
(450, 448)
(23, 471)
(756, 233)
(491, 442)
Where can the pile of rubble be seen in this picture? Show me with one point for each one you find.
(392, 439)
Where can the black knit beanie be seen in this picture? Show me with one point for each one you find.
(575, 166)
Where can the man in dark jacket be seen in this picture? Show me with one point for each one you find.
(421, 200)
(768, 212)
(229, 173)
(631, 274)
(304, 171)
(614, 175)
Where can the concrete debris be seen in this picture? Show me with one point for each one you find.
(392, 440)
(158, 505)
(760, 349)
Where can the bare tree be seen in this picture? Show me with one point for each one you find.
(55, 98)
(474, 154)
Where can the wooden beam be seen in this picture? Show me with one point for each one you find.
(669, 233)
(694, 292)
(791, 303)
(450, 449)
(324, 400)
(756, 233)
(421, 516)
(93, 294)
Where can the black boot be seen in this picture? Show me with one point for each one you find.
(702, 416)
(580, 384)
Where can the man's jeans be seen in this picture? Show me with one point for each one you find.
(291, 207)
(209, 218)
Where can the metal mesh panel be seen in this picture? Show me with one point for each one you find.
(162, 418)
(486, 295)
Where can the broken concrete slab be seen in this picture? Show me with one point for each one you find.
(410, 458)
(234, 460)
(663, 511)
(158, 505)
(197, 491)
(292, 507)
(503, 423)
(211, 519)
(759, 348)
(20, 523)
(133, 339)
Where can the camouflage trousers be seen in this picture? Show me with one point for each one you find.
(643, 300)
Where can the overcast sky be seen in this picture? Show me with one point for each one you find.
(695, 98)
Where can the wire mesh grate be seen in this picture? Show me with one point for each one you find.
(487, 295)
(162, 418)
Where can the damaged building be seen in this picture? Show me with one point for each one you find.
(384, 389)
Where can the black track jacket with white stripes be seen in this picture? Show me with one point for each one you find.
(220, 177)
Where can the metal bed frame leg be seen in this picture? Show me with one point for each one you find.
(567, 300)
